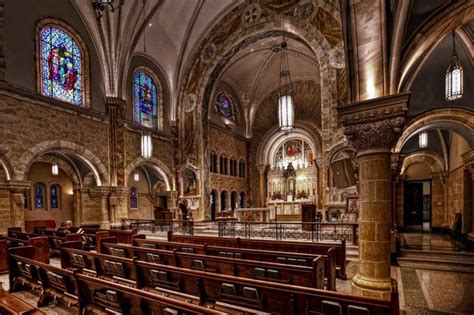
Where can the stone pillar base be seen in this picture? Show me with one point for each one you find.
(377, 288)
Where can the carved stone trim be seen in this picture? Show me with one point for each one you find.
(374, 124)
(15, 186)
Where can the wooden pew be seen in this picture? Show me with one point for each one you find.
(272, 245)
(255, 294)
(249, 254)
(123, 236)
(265, 296)
(96, 295)
(3, 256)
(307, 276)
(55, 283)
(40, 244)
(11, 305)
(91, 295)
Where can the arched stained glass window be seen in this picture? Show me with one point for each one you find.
(225, 107)
(133, 198)
(60, 66)
(39, 190)
(295, 151)
(145, 100)
(54, 192)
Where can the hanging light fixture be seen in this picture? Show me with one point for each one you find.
(454, 77)
(136, 177)
(285, 95)
(55, 168)
(423, 139)
(99, 7)
(146, 145)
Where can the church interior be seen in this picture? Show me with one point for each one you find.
(236, 157)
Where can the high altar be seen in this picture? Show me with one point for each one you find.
(292, 181)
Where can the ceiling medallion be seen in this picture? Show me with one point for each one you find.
(337, 57)
(251, 14)
(209, 53)
(305, 11)
(190, 102)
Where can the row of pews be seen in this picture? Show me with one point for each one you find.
(192, 274)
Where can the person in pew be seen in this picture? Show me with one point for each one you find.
(64, 229)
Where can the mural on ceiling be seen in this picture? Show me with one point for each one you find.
(61, 62)
(145, 99)
(294, 151)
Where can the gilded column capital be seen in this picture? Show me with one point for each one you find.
(374, 124)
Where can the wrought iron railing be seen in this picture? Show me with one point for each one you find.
(154, 226)
(309, 231)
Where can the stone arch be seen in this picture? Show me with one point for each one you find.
(70, 170)
(453, 119)
(7, 168)
(429, 37)
(341, 146)
(274, 138)
(196, 81)
(156, 164)
(90, 159)
(435, 162)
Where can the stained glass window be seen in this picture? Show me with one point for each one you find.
(225, 107)
(39, 189)
(61, 63)
(54, 196)
(133, 198)
(294, 151)
(145, 99)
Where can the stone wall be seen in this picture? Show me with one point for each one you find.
(437, 203)
(5, 220)
(456, 195)
(232, 146)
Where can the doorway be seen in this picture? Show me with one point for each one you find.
(213, 205)
(417, 205)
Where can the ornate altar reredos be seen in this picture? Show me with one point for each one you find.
(292, 179)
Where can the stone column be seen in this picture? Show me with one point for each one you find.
(77, 207)
(262, 184)
(116, 111)
(118, 205)
(372, 128)
(17, 207)
(100, 197)
(468, 224)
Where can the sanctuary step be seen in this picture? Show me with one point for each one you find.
(437, 260)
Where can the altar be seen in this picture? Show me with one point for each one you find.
(254, 215)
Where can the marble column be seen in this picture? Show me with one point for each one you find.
(262, 184)
(372, 128)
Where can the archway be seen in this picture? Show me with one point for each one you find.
(213, 201)
(224, 198)
(242, 200)
(233, 200)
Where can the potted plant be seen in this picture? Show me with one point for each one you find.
(336, 215)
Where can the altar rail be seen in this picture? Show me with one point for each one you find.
(309, 231)
(153, 226)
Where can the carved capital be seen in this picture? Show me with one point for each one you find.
(375, 124)
(97, 193)
(15, 187)
(262, 168)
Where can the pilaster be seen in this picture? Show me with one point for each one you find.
(116, 111)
